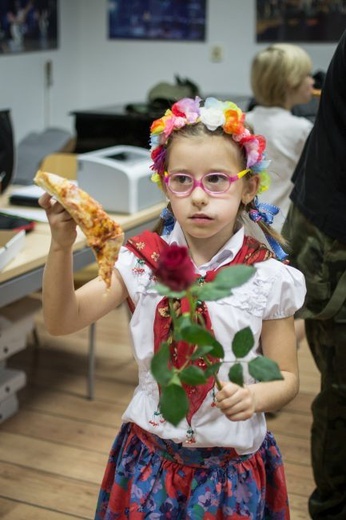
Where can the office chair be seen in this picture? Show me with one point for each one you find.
(66, 165)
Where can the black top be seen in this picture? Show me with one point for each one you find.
(320, 176)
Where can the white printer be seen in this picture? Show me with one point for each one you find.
(119, 178)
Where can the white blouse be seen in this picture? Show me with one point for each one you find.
(285, 134)
(275, 291)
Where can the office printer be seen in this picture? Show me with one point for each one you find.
(119, 178)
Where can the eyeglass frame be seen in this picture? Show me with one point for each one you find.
(199, 183)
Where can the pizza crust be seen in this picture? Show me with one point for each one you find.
(103, 234)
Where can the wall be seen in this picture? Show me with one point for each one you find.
(22, 80)
(89, 70)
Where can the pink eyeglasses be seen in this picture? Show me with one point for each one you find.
(183, 184)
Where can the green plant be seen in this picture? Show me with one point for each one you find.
(176, 272)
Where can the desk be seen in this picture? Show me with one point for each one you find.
(23, 275)
(110, 126)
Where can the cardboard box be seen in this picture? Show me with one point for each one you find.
(11, 242)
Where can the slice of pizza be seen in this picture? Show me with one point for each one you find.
(103, 234)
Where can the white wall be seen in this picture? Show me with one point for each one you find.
(90, 71)
(22, 80)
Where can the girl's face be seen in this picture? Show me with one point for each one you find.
(200, 214)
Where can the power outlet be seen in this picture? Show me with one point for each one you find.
(216, 53)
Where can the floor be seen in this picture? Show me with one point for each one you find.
(54, 450)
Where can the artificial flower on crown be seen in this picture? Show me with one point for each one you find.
(191, 341)
(213, 114)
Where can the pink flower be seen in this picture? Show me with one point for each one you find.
(158, 155)
(175, 268)
(254, 146)
(187, 109)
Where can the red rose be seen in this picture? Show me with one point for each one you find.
(175, 268)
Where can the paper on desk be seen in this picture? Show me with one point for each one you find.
(37, 214)
(31, 191)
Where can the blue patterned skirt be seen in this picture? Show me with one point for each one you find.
(151, 478)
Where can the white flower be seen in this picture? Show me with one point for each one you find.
(212, 118)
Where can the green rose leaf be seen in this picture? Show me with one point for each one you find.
(163, 290)
(212, 369)
(193, 375)
(243, 342)
(182, 322)
(225, 280)
(197, 335)
(201, 351)
(160, 365)
(174, 404)
(264, 369)
(235, 374)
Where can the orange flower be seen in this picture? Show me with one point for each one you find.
(234, 122)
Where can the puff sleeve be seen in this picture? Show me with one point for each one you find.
(286, 289)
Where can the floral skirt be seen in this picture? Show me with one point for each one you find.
(151, 478)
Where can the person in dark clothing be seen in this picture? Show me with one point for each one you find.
(316, 230)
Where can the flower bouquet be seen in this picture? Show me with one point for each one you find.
(190, 355)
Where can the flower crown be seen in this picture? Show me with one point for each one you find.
(212, 114)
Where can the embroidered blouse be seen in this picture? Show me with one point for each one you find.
(275, 291)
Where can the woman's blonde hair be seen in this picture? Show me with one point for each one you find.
(275, 70)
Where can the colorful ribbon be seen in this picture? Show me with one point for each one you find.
(263, 211)
(266, 212)
(169, 221)
(276, 247)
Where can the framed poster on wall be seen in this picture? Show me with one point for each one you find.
(182, 20)
(300, 20)
(28, 25)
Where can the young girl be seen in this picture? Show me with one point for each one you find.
(220, 462)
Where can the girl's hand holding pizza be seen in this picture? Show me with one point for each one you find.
(63, 227)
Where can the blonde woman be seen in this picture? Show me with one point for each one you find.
(281, 79)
